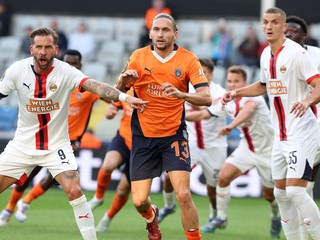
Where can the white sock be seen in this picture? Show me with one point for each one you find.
(307, 208)
(304, 235)
(274, 209)
(223, 199)
(212, 212)
(84, 218)
(310, 186)
(289, 215)
(168, 199)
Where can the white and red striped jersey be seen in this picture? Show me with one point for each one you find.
(286, 75)
(315, 57)
(43, 104)
(205, 132)
(257, 131)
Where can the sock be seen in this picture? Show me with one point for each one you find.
(193, 235)
(103, 182)
(310, 186)
(274, 209)
(148, 215)
(212, 212)
(84, 218)
(116, 205)
(303, 229)
(35, 192)
(14, 198)
(168, 199)
(223, 199)
(289, 215)
(307, 208)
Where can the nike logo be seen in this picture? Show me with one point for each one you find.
(149, 70)
(84, 216)
(28, 86)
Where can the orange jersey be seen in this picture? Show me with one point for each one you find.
(79, 112)
(125, 122)
(163, 115)
(151, 13)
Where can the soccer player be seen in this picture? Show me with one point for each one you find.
(206, 148)
(297, 30)
(161, 73)
(118, 154)
(78, 118)
(286, 71)
(44, 85)
(252, 116)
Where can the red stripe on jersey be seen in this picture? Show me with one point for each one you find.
(237, 106)
(248, 138)
(42, 134)
(199, 134)
(313, 77)
(281, 118)
(314, 110)
(277, 102)
(40, 91)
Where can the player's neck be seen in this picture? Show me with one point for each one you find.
(165, 52)
(276, 45)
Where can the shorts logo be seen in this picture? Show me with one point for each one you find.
(283, 69)
(178, 72)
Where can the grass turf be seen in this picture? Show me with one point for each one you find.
(51, 218)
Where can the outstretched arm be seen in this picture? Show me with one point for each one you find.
(107, 92)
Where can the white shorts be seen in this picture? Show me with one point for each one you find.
(244, 159)
(211, 161)
(15, 163)
(294, 159)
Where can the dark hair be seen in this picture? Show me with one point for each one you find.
(207, 63)
(276, 10)
(73, 53)
(300, 21)
(238, 70)
(168, 16)
(44, 31)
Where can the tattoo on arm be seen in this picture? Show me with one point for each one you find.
(104, 90)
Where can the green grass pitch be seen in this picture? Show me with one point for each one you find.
(51, 218)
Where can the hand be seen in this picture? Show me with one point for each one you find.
(224, 131)
(111, 111)
(227, 97)
(129, 76)
(137, 103)
(171, 91)
(299, 108)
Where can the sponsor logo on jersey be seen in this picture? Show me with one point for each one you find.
(148, 70)
(178, 72)
(26, 85)
(42, 106)
(155, 89)
(276, 87)
(201, 73)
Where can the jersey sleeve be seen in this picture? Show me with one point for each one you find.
(196, 74)
(7, 82)
(307, 70)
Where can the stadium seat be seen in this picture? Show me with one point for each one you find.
(220, 75)
(21, 21)
(128, 32)
(9, 48)
(112, 53)
(190, 33)
(96, 71)
(103, 29)
(8, 118)
(202, 50)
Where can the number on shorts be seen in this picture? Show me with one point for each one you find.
(292, 157)
(61, 154)
(184, 151)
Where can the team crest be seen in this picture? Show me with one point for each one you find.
(178, 72)
(283, 69)
(53, 87)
